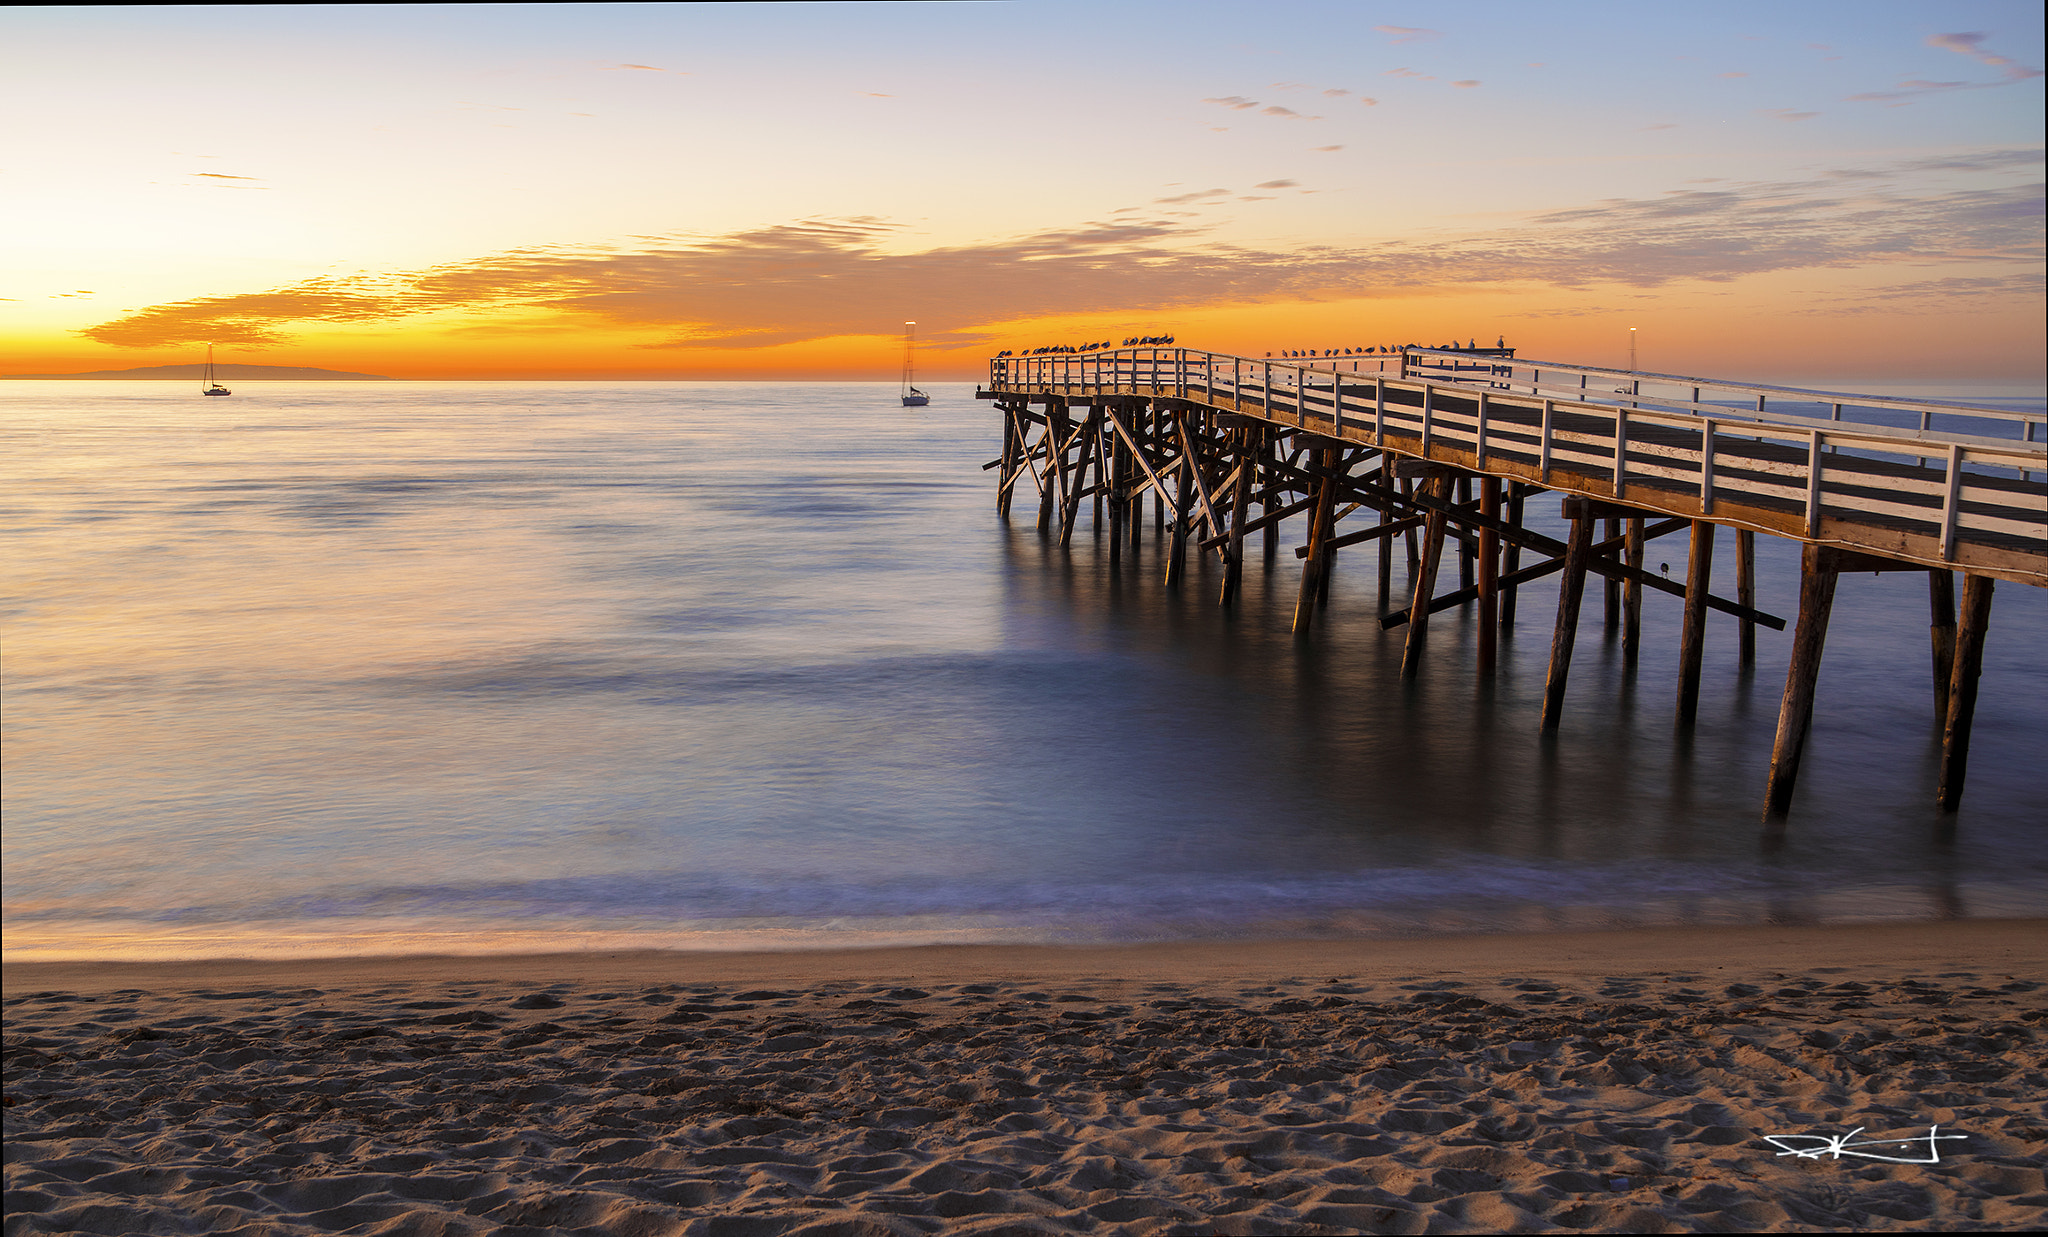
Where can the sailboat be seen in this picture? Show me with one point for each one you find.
(212, 387)
(912, 397)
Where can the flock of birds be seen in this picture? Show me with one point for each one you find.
(1135, 341)
(1142, 341)
(1453, 346)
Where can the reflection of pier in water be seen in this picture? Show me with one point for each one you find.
(1229, 446)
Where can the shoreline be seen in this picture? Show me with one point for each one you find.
(2009, 943)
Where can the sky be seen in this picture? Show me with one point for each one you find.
(1767, 191)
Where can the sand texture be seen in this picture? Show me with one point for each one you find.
(1002, 1092)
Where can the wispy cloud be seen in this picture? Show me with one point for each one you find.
(1785, 113)
(821, 278)
(1409, 34)
(645, 68)
(1971, 44)
(1277, 184)
(1240, 103)
(1186, 198)
(1967, 43)
(1467, 84)
(224, 176)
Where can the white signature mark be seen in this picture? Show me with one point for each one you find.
(1814, 1146)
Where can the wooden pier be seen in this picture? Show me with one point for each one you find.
(1442, 448)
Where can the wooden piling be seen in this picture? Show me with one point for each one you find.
(1613, 589)
(1137, 512)
(1425, 580)
(1328, 570)
(1055, 472)
(1013, 451)
(1489, 578)
(1570, 593)
(1941, 628)
(1414, 554)
(1632, 594)
(1699, 569)
(1268, 454)
(1817, 576)
(1087, 452)
(1962, 690)
(1745, 593)
(1183, 512)
(1157, 419)
(1512, 557)
(1466, 549)
(1385, 550)
(1318, 526)
(1240, 512)
(1118, 486)
(1100, 456)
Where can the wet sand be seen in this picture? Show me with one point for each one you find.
(1602, 1082)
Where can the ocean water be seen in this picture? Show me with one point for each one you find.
(383, 667)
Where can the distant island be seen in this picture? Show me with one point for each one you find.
(226, 373)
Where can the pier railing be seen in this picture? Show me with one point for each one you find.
(1930, 482)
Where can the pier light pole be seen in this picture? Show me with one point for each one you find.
(1631, 350)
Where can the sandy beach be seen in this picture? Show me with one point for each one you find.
(1598, 1082)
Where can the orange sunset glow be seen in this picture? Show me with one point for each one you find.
(677, 192)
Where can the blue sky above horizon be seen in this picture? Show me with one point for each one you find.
(731, 189)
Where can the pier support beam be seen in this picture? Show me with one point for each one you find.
(1941, 628)
(1440, 488)
(1699, 570)
(1632, 594)
(1578, 549)
(1136, 516)
(1183, 513)
(1962, 690)
(1240, 512)
(1414, 555)
(1269, 480)
(1614, 586)
(1055, 490)
(1320, 515)
(1745, 593)
(1817, 574)
(1386, 562)
(1465, 547)
(1489, 578)
(1512, 557)
(1077, 484)
(1118, 484)
(1013, 452)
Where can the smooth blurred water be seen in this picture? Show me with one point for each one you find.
(380, 667)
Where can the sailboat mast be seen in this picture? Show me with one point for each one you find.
(909, 345)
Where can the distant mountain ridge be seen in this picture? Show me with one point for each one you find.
(226, 373)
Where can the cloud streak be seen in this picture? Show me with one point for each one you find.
(818, 279)
(1966, 43)
(1971, 44)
